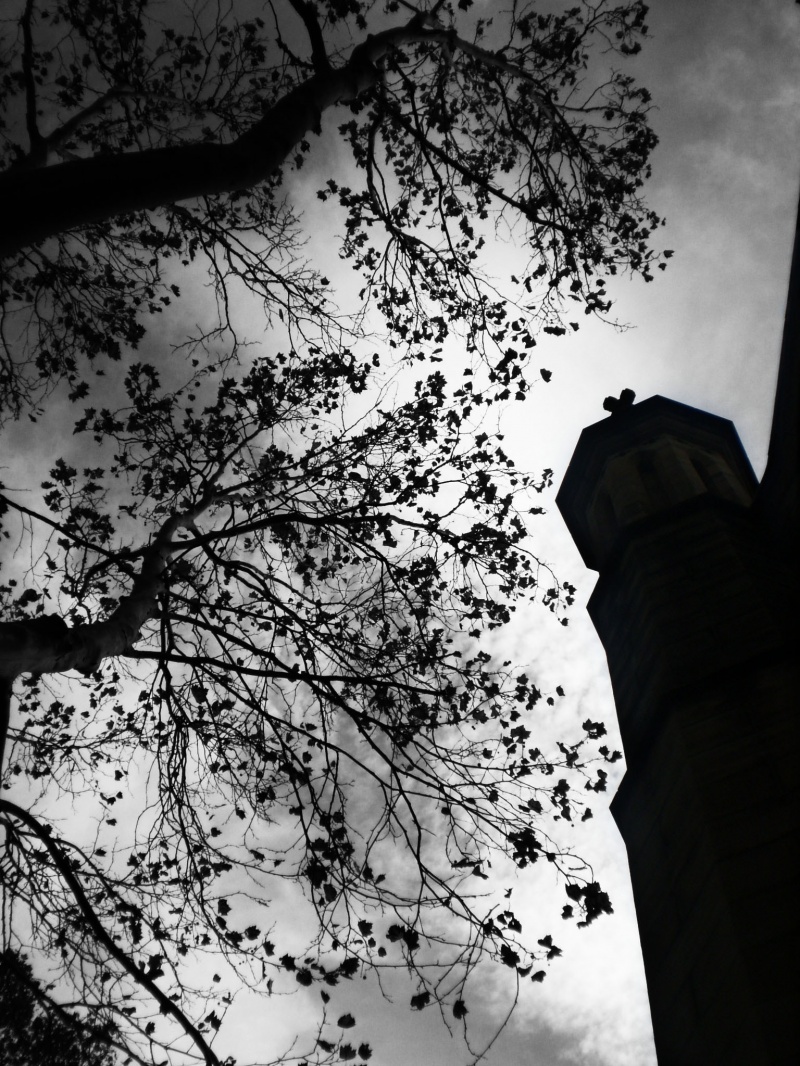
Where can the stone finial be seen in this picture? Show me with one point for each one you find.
(615, 405)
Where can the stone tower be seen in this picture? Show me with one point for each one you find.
(694, 604)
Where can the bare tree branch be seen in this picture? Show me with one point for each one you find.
(64, 867)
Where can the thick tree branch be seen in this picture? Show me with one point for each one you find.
(71, 195)
(319, 55)
(47, 645)
(53, 140)
(51, 200)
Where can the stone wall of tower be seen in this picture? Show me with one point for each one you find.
(659, 499)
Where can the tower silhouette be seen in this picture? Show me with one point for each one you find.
(695, 607)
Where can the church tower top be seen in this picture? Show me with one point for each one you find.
(644, 460)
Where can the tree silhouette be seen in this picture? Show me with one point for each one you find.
(449, 120)
(32, 1033)
(279, 572)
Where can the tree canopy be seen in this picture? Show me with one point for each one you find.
(251, 620)
(33, 1031)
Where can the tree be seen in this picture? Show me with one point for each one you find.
(279, 573)
(32, 1033)
(207, 119)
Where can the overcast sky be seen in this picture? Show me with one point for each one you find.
(725, 77)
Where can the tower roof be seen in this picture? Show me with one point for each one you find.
(631, 430)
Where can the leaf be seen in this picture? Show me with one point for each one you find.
(409, 936)
(349, 967)
(316, 873)
(347, 1021)
(508, 956)
(421, 1000)
(460, 1009)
